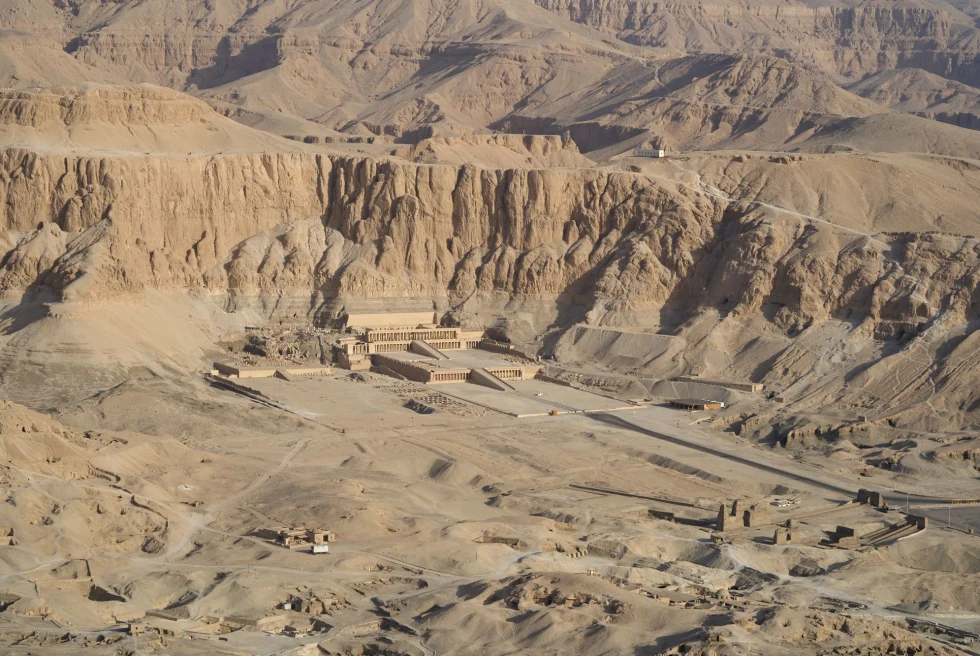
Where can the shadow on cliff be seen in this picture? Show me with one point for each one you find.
(676, 641)
(254, 58)
(573, 305)
(686, 71)
(570, 312)
(33, 305)
(693, 291)
(20, 316)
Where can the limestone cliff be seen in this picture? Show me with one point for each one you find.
(314, 227)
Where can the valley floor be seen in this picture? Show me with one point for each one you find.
(415, 502)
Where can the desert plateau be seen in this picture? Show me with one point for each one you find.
(490, 327)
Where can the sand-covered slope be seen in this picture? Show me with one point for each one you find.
(925, 94)
(384, 68)
(842, 39)
(110, 527)
(863, 193)
(498, 151)
(111, 119)
(746, 103)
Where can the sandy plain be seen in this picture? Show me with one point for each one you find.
(186, 182)
(411, 497)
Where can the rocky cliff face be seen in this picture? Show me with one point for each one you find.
(130, 106)
(454, 69)
(315, 227)
(203, 58)
(851, 41)
(274, 223)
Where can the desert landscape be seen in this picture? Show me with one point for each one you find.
(415, 327)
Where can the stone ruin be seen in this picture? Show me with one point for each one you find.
(782, 535)
(753, 517)
(871, 498)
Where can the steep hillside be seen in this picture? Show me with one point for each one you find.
(841, 39)
(187, 185)
(102, 118)
(752, 291)
(415, 70)
(498, 151)
(699, 102)
(114, 190)
(924, 94)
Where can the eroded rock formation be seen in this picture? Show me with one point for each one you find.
(317, 227)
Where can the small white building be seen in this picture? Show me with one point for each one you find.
(650, 152)
(321, 548)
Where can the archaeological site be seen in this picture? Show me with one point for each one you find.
(490, 327)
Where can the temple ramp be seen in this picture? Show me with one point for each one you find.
(487, 379)
(424, 348)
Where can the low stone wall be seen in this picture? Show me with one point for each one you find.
(308, 371)
(256, 373)
(551, 379)
(740, 387)
(502, 347)
(233, 371)
(406, 369)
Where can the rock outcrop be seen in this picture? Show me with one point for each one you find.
(321, 227)
(851, 41)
